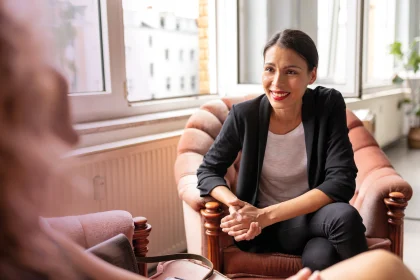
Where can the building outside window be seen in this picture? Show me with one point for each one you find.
(192, 82)
(168, 83)
(178, 32)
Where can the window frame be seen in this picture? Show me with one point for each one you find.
(378, 85)
(112, 103)
(228, 53)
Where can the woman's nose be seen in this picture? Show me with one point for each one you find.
(277, 79)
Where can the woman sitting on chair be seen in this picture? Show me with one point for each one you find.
(297, 172)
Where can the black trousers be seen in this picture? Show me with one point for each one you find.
(333, 233)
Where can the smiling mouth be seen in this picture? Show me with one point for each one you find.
(279, 95)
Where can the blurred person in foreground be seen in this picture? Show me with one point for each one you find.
(35, 131)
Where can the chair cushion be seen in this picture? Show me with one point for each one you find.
(184, 269)
(237, 263)
(278, 266)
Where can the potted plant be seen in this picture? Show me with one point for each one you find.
(409, 64)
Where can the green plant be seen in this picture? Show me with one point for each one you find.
(409, 61)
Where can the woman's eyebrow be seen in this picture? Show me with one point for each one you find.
(285, 67)
(291, 66)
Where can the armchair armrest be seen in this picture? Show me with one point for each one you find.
(212, 215)
(140, 241)
(381, 200)
(396, 204)
(91, 229)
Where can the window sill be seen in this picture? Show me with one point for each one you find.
(135, 121)
(377, 94)
(84, 151)
(148, 125)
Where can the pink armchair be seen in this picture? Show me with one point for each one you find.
(91, 229)
(381, 197)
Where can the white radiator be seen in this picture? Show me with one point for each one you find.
(137, 178)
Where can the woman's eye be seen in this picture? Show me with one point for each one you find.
(291, 72)
(268, 69)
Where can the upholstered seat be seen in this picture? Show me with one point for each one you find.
(376, 181)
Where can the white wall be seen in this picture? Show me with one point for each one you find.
(388, 118)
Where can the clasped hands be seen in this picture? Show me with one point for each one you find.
(244, 222)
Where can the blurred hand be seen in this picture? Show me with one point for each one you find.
(305, 274)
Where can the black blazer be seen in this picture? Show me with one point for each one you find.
(331, 166)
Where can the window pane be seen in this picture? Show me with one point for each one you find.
(380, 34)
(165, 34)
(332, 40)
(76, 30)
(325, 21)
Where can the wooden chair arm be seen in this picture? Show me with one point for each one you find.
(396, 204)
(212, 215)
(141, 233)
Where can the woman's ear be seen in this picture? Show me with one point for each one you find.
(313, 75)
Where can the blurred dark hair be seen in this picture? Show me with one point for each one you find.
(298, 41)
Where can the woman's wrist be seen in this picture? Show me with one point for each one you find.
(264, 218)
(269, 215)
(224, 195)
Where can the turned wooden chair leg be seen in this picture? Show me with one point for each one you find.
(396, 203)
(212, 215)
(141, 233)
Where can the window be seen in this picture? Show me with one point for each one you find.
(181, 83)
(76, 30)
(330, 23)
(332, 40)
(128, 34)
(380, 32)
(175, 30)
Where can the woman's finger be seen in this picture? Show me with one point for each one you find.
(227, 219)
(250, 234)
(241, 237)
(237, 232)
(232, 223)
(238, 227)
